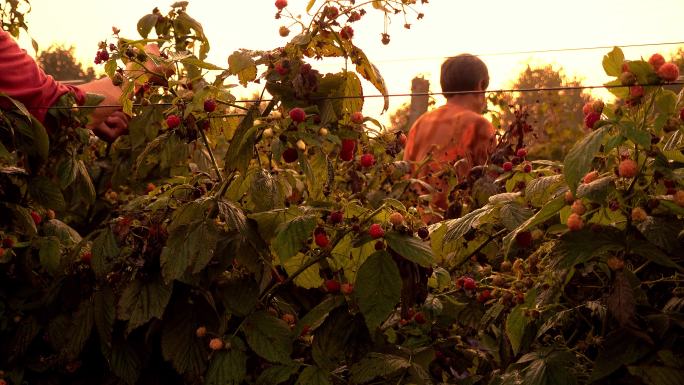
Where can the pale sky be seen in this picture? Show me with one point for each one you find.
(449, 27)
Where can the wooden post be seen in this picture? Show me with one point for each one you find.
(419, 103)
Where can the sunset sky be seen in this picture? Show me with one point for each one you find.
(449, 27)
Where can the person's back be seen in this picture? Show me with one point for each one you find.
(456, 131)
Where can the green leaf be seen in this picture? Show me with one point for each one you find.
(268, 336)
(545, 213)
(142, 301)
(318, 314)
(104, 250)
(456, 228)
(276, 375)
(578, 161)
(541, 190)
(658, 375)
(309, 278)
(146, 23)
(241, 148)
(46, 193)
(310, 5)
(370, 73)
(617, 350)
(105, 315)
(648, 251)
(376, 365)
(193, 61)
(513, 214)
(612, 62)
(578, 247)
(240, 295)
(666, 103)
(662, 232)
(179, 343)
(410, 247)
(67, 170)
(332, 340)
(125, 362)
(292, 237)
(50, 255)
(596, 191)
(227, 367)
(636, 135)
(188, 247)
(378, 288)
(312, 375)
(265, 192)
(516, 322)
(242, 65)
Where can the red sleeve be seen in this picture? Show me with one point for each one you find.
(22, 79)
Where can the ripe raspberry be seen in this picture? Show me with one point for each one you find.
(615, 263)
(173, 121)
(357, 117)
(484, 296)
(507, 166)
(347, 33)
(419, 317)
(636, 91)
(210, 105)
(590, 177)
(347, 288)
(521, 153)
(322, 240)
(668, 72)
(288, 318)
(627, 168)
(587, 108)
(469, 283)
(280, 4)
(332, 286)
(346, 155)
(527, 168)
(376, 231)
(8, 243)
(331, 12)
(367, 160)
(681, 114)
(627, 78)
(591, 119)
(524, 239)
(283, 31)
(281, 69)
(86, 257)
(336, 217)
(354, 16)
(2, 252)
(216, 344)
(578, 207)
(150, 187)
(569, 197)
(598, 106)
(638, 214)
(575, 222)
(656, 61)
(679, 198)
(201, 332)
(348, 145)
(396, 218)
(423, 232)
(37, 219)
(297, 115)
(403, 139)
(290, 155)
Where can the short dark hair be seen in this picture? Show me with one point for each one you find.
(464, 72)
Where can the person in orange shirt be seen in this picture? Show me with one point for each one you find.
(455, 134)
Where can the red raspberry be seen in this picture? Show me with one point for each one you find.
(210, 105)
(587, 108)
(527, 168)
(521, 153)
(627, 78)
(484, 296)
(346, 156)
(297, 115)
(216, 344)
(173, 121)
(201, 332)
(354, 16)
(290, 155)
(331, 12)
(656, 61)
(403, 138)
(469, 283)
(336, 217)
(37, 219)
(636, 91)
(376, 231)
(348, 145)
(281, 69)
(332, 286)
(591, 119)
(2, 252)
(347, 33)
(590, 177)
(668, 72)
(681, 114)
(507, 166)
(8, 243)
(150, 187)
(357, 117)
(347, 288)
(367, 160)
(627, 168)
(678, 198)
(578, 207)
(86, 257)
(322, 240)
(280, 4)
(420, 318)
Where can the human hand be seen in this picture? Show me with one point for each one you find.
(158, 73)
(113, 126)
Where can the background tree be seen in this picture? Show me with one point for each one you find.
(59, 62)
(555, 117)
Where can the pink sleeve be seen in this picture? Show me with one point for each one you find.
(22, 79)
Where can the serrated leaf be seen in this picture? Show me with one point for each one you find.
(410, 247)
(105, 315)
(46, 193)
(291, 237)
(513, 215)
(318, 314)
(545, 213)
(141, 301)
(580, 157)
(309, 278)
(621, 303)
(377, 288)
(658, 375)
(268, 336)
(227, 368)
(612, 62)
(312, 375)
(190, 247)
(662, 232)
(240, 295)
(242, 65)
(540, 190)
(276, 375)
(456, 228)
(265, 192)
(596, 191)
(50, 255)
(617, 350)
(577, 247)
(104, 250)
(376, 365)
(332, 339)
(646, 250)
(241, 148)
(125, 362)
(179, 343)
(516, 322)
(370, 73)
(146, 23)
